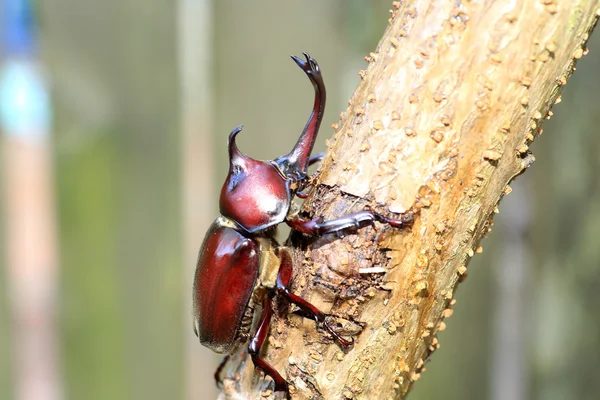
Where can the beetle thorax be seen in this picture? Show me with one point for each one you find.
(256, 194)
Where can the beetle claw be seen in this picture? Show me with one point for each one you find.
(345, 343)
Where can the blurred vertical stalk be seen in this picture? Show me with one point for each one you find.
(509, 359)
(29, 218)
(195, 51)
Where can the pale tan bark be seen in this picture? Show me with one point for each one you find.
(440, 124)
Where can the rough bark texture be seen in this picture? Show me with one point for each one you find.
(439, 125)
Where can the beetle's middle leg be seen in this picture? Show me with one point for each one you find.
(361, 219)
(259, 339)
(307, 310)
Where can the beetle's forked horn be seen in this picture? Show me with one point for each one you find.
(296, 162)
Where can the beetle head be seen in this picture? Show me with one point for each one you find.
(256, 195)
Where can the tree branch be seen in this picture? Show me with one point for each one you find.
(440, 124)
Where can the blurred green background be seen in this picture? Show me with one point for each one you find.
(145, 93)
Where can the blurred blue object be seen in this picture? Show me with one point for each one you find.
(18, 28)
(24, 103)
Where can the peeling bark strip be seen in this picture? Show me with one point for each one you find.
(440, 124)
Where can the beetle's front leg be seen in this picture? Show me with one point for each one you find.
(307, 310)
(314, 159)
(361, 219)
(259, 339)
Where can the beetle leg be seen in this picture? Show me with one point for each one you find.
(259, 339)
(361, 219)
(316, 158)
(313, 160)
(312, 312)
(307, 310)
(220, 369)
(303, 195)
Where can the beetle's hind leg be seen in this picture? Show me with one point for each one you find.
(259, 339)
(307, 310)
(220, 369)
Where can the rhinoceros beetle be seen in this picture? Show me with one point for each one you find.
(241, 266)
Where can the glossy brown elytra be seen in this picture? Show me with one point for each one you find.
(241, 267)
